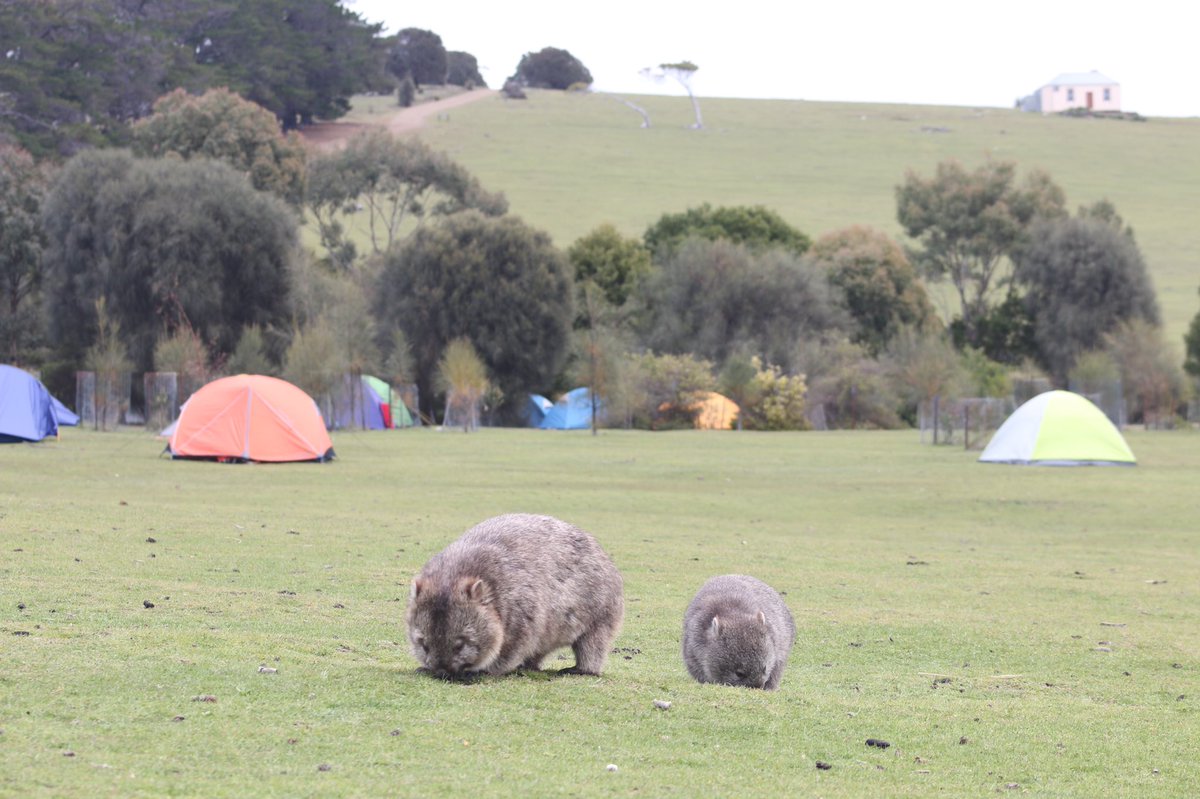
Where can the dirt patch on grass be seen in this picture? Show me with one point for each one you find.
(331, 135)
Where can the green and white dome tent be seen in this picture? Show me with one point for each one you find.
(1058, 428)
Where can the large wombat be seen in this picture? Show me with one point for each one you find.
(737, 631)
(510, 591)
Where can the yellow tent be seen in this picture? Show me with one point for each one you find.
(715, 412)
(710, 411)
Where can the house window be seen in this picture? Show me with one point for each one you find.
(1107, 95)
(1070, 95)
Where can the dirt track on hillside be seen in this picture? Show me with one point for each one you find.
(331, 135)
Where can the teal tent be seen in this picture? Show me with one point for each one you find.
(535, 410)
(573, 411)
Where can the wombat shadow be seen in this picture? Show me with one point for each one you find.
(473, 677)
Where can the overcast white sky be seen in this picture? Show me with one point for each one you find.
(941, 52)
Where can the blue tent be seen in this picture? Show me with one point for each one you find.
(535, 410)
(62, 414)
(26, 407)
(573, 411)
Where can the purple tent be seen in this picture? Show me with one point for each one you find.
(357, 404)
(27, 411)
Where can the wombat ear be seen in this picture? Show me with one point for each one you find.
(477, 591)
(417, 585)
(715, 627)
(762, 618)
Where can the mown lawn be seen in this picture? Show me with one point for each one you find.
(1005, 629)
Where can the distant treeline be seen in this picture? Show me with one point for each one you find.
(75, 73)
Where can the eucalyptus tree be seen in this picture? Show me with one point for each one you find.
(879, 286)
(682, 72)
(398, 184)
(969, 224)
(22, 187)
(1082, 278)
(551, 68)
(219, 124)
(419, 55)
(495, 281)
(165, 243)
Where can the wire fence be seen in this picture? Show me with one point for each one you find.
(1107, 395)
(102, 400)
(162, 399)
(967, 422)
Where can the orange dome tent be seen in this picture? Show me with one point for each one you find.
(251, 418)
(715, 411)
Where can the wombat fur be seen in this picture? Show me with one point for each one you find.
(510, 591)
(737, 631)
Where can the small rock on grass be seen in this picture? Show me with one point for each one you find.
(267, 670)
(662, 704)
(612, 767)
(204, 698)
(324, 767)
(146, 603)
(876, 742)
(823, 766)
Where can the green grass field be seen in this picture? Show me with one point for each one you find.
(1006, 629)
(569, 162)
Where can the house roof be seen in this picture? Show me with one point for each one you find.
(1092, 78)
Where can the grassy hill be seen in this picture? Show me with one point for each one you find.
(569, 162)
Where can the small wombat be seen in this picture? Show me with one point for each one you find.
(510, 591)
(737, 631)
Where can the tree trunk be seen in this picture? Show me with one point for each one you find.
(699, 125)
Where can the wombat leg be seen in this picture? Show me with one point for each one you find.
(591, 652)
(533, 663)
(773, 681)
(575, 670)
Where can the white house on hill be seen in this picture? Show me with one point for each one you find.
(1089, 90)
